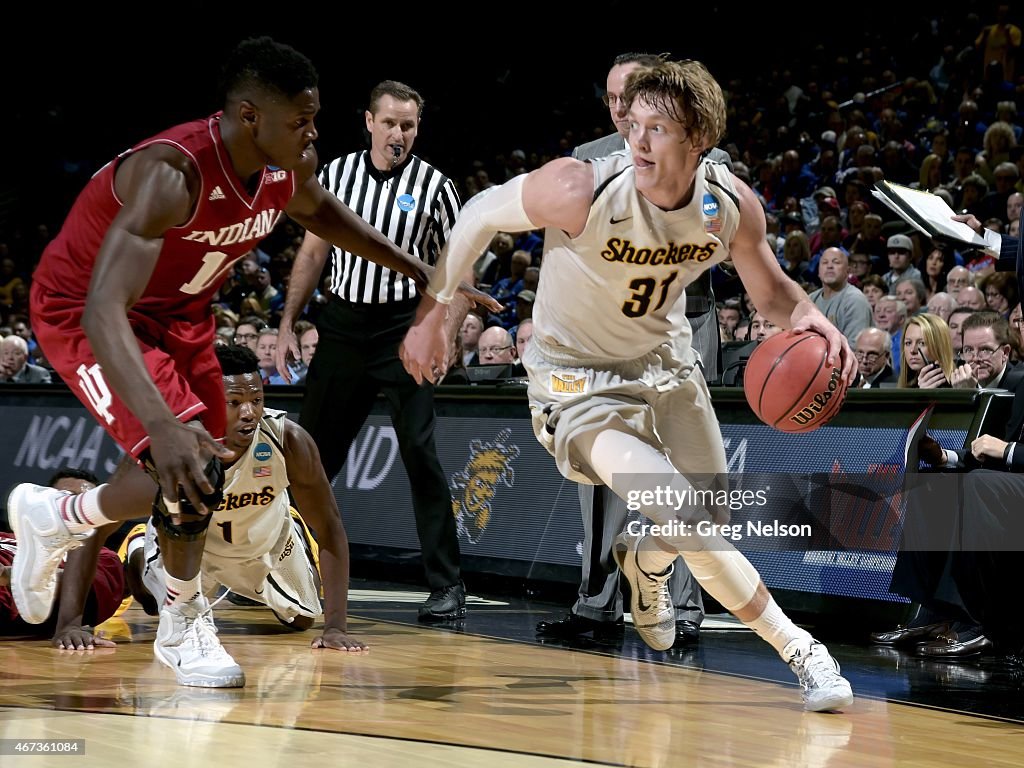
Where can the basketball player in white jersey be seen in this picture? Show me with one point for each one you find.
(254, 546)
(614, 390)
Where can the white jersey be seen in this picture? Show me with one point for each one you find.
(248, 522)
(613, 292)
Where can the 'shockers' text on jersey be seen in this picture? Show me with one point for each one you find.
(253, 228)
(253, 499)
(623, 250)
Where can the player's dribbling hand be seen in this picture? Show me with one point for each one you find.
(809, 318)
(337, 640)
(76, 638)
(180, 453)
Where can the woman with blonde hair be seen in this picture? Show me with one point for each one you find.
(933, 174)
(927, 356)
(796, 252)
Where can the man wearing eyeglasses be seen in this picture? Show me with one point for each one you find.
(496, 346)
(986, 354)
(873, 348)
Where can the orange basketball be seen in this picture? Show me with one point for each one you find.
(789, 384)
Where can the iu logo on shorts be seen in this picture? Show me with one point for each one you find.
(96, 391)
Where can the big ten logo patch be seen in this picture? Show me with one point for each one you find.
(473, 489)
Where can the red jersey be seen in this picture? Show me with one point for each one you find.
(195, 258)
(104, 597)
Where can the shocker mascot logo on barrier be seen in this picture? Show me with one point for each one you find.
(474, 487)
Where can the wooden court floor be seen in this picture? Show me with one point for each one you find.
(437, 697)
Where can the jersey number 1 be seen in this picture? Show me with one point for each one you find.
(215, 263)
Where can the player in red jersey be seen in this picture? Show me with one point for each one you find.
(120, 305)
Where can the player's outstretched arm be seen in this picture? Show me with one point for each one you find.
(326, 216)
(312, 493)
(158, 187)
(556, 195)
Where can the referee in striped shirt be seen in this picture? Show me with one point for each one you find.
(366, 317)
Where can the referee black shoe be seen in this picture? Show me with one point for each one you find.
(445, 604)
(573, 625)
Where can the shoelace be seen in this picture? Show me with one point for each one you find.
(442, 592)
(818, 668)
(204, 631)
(656, 587)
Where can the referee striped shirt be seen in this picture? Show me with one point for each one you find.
(414, 206)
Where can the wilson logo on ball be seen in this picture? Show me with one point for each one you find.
(818, 403)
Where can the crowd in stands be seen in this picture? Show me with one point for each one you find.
(935, 108)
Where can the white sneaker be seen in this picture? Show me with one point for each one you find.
(43, 540)
(822, 687)
(650, 603)
(186, 641)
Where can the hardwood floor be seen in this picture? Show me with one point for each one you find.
(426, 696)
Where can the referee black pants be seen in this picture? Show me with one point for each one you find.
(357, 358)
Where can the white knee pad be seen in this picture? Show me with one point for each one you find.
(725, 573)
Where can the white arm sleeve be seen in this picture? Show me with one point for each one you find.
(498, 209)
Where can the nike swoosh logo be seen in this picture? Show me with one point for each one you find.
(613, 220)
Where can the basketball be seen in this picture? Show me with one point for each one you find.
(789, 384)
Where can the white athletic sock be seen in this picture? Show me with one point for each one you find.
(81, 511)
(779, 631)
(181, 592)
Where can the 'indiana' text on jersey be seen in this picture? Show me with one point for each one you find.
(240, 500)
(623, 250)
(253, 228)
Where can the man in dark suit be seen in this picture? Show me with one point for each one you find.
(963, 588)
(14, 365)
(986, 354)
(958, 591)
(599, 607)
(873, 348)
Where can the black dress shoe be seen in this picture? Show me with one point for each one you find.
(687, 633)
(903, 634)
(960, 642)
(445, 604)
(572, 625)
